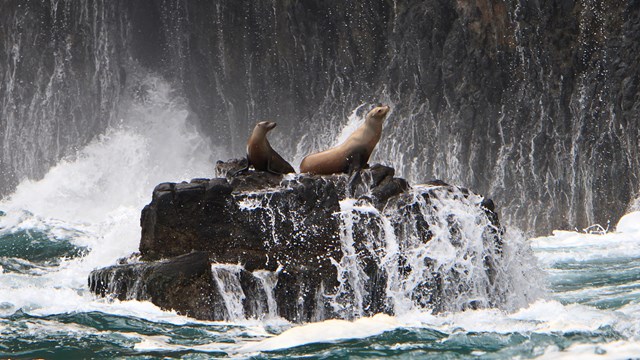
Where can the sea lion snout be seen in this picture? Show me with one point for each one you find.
(380, 111)
(268, 125)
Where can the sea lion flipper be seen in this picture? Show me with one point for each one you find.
(270, 169)
(357, 161)
(277, 165)
(284, 166)
(242, 170)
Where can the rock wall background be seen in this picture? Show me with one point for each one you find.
(533, 103)
(62, 75)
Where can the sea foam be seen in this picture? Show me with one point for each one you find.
(93, 199)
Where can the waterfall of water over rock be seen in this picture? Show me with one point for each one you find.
(544, 121)
(309, 248)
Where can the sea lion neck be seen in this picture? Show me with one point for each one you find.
(373, 123)
(258, 139)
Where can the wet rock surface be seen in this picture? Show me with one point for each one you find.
(285, 245)
(182, 283)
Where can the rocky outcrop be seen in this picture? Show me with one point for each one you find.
(301, 247)
(183, 283)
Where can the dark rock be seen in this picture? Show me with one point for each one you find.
(379, 173)
(199, 181)
(290, 230)
(229, 167)
(255, 180)
(488, 204)
(437, 182)
(164, 187)
(388, 188)
(183, 284)
(133, 258)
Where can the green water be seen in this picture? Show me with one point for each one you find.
(592, 303)
(99, 335)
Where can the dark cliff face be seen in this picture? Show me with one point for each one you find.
(61, 76)
(533, 103)
(572, 131)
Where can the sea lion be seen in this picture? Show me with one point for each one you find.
(261, 155)
(354, 153)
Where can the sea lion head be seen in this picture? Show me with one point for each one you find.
(263, 127)
(378, 113)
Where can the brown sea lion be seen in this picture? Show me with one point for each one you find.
(354, 153)
(261, 155)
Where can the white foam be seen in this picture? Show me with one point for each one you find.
(614, 350)
(627, 229)
(353, 123)
(542, 317)
(629, 224)
(163, 343)
(94, 199)
(154, 143)
(324, 332)
(227, 278)
(573, 246)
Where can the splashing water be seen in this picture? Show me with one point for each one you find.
(84, 214)
(227, 278)
(92, 201)
(453, 265)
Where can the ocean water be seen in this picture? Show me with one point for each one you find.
(85, 213)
